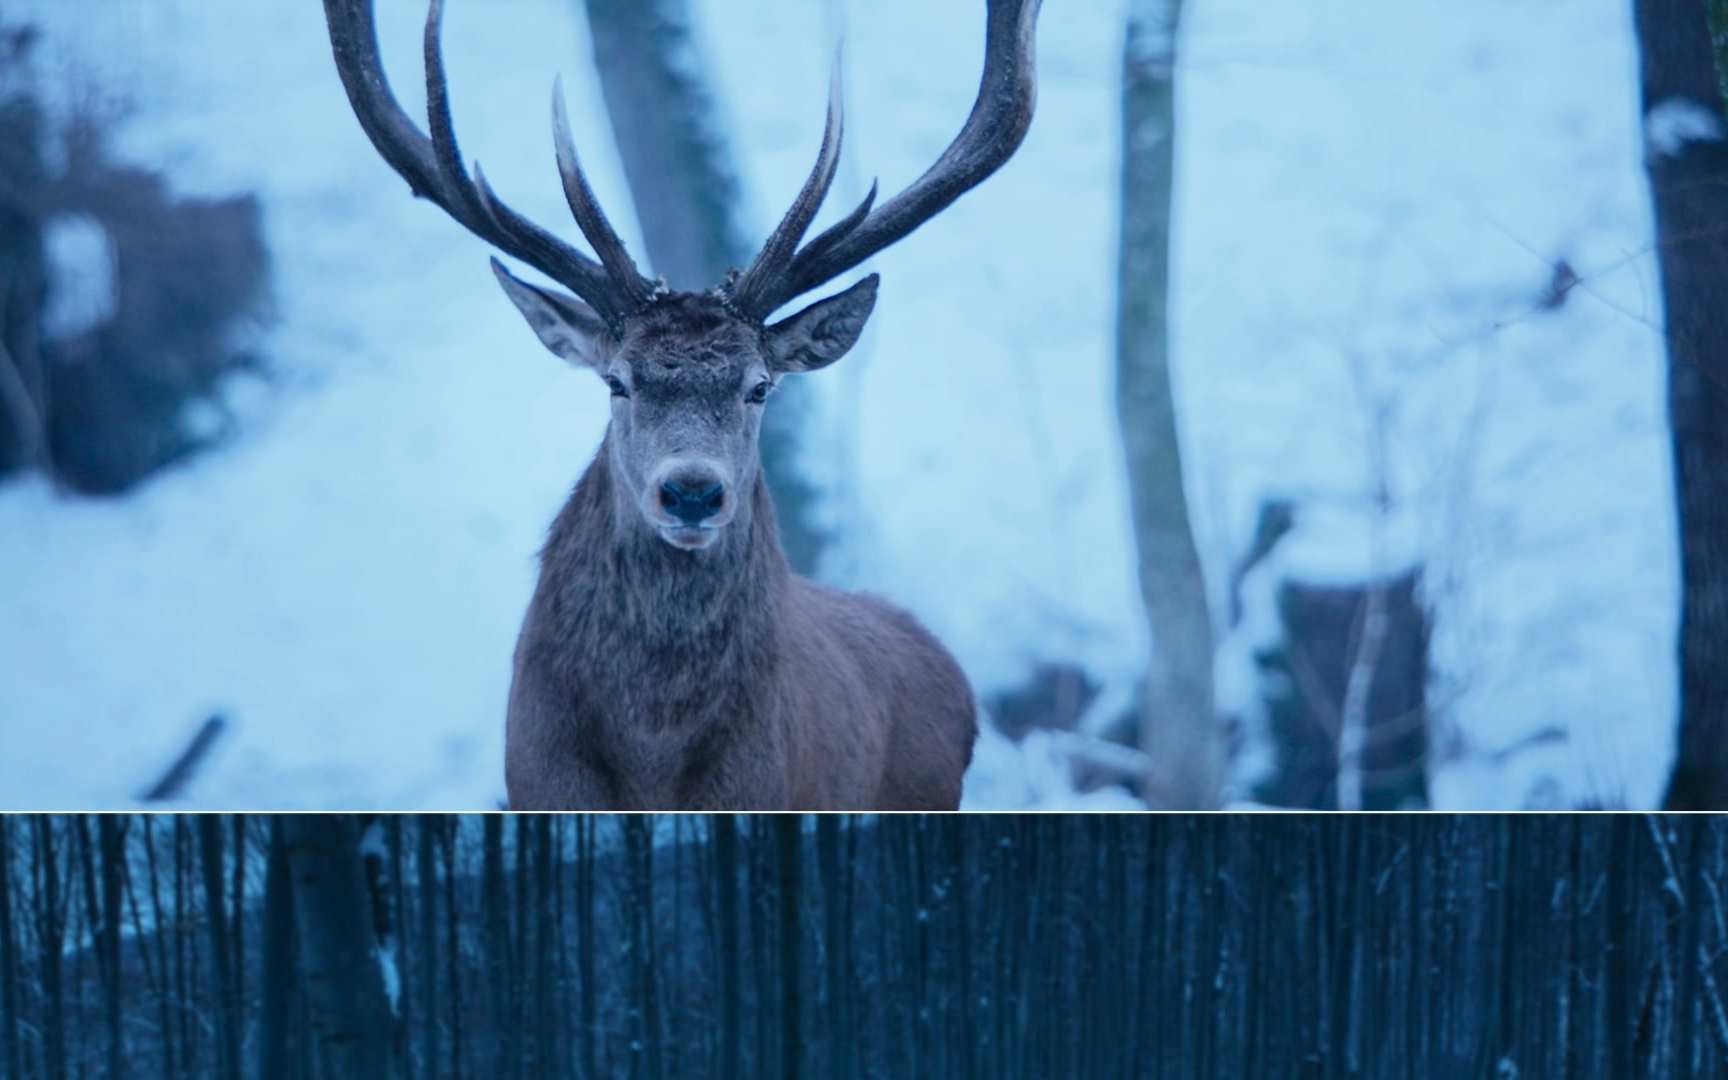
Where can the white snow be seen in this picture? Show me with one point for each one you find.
(372, 843)
(1369, 201)
(385, 957)
(81, 288)
(1673, 122)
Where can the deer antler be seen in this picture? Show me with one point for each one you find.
(998, 122)
(433, 168)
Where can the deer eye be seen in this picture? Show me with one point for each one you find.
(759, 393)
(616, 385)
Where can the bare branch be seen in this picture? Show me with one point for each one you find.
(180, 773)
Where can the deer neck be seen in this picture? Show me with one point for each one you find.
(620, 581)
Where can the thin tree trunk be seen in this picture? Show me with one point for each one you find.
(522, 953)
(11, 1059)
(109, 842)
(374, 856)
(91, 930)
(585, 936)
(226, 1016)
(563, 1049)
(1689, 898)
(730, 976)
(645, 1056)
(276, 979)
(1620, 967)
(237, 935)
(141, 935)
(350, 1014)
(841, 1052)
(452, 918)
(495, 936)
(788, 834)
(1718, 15)
(426, 963)
(685, 187)
(24, 397)
(545, 947)
(165, 988)
(399, 930)
(1177, 727)
(960, 945)
(50, 940)
(1687, 158)
(184, 957)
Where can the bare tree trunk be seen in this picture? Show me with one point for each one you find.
(1177, 727)
(276, 980)
(10, 1058)
(374, 855)
(426, 963)
(164, 987)
(183, 957)
(452, 916)
(585, 967)
(960, 944)
(90, 930)
(1687, 157)
(50, 939)
(398, 921)
(237, 935)
(685, 187)
(523, 956)
(1717, 11)
(730, 975)
(23, 274)
(563, 1049)
(110, 840)
(495, 938)
(835, 979)
(788, 830)
(350, 1014)
(216, 924)
(545, 947)
(645, 1056)
(453, 954)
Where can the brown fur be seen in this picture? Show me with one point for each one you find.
(649, 678)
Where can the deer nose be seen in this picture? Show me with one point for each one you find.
(692, 503)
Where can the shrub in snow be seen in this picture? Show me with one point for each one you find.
(1307, 685)
(122, 302)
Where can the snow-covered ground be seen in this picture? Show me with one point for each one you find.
(1370, 197)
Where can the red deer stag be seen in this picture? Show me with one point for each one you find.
(669, 658)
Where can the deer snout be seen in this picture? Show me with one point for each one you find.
(690, 505)
(692, 495)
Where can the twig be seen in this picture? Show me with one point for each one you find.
(1102, 753)
(15, 395)
(180, 773)
(1715, 999)
(1672, 885)
(1353, 715)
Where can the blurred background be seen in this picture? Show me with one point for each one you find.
(1286, 423)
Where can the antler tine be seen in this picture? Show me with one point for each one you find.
(438, 119)
(834, 233)
(589, 217)
(993, 131)
(756, 285)
(433, 166)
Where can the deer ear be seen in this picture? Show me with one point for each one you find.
(565, 325)
(823, 332)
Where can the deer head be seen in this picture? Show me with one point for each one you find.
(689, 373)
